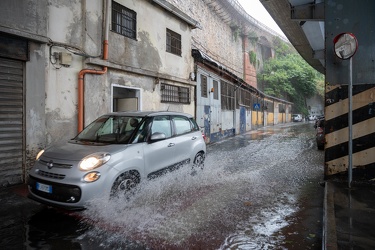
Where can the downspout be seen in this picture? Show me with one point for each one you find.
(82, 73)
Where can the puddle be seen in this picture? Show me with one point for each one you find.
(242, 199)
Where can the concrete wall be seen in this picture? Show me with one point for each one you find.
(35, 119)
(77, 28)
(216, 37)
(134, 63)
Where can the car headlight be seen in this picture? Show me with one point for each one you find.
(91, 177)
(93, 161)
(39, 154)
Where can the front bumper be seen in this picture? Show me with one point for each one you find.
(62, 195)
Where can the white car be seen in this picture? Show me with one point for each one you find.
(312, 117)
(113, 154)
(297, 118)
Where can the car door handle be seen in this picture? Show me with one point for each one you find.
(193, 138)
(170, 145)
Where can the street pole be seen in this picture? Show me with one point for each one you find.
(350, 123)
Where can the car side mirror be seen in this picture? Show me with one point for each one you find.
(157, 136)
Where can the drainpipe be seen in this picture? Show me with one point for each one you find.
(82, 73)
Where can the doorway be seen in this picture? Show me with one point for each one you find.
(125, 98)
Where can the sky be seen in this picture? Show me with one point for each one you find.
(255, 9)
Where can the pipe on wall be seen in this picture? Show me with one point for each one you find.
(83, 72)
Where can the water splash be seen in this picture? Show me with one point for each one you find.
(240, 200)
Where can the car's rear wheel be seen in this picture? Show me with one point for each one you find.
(125, 184)
(199, 160)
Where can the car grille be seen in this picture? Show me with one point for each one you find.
(50, 175)
(60, 192)
(55, 165)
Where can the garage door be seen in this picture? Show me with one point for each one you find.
(11, 122)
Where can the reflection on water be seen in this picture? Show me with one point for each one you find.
(50, 228)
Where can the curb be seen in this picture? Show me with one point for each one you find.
(329, 221)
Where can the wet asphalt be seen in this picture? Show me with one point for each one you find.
(260, 190)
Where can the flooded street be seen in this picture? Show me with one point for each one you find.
(257, 191)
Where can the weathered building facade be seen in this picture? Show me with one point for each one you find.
(228, 51)
(64, 63)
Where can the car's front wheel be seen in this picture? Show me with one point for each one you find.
(199, 160)
(125, 184)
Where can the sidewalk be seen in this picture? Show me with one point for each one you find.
(349, 216)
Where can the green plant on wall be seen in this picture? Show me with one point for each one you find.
(253, 58)
(253, 38)
(236, 31)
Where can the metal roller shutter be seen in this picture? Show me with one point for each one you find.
(11, 122)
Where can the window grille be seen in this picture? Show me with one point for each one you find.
(244, 98)
(204, 86)
(124, 20)
(176, 94)
(227, 96)
(173, 42)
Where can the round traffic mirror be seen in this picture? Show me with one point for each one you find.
(345, 45)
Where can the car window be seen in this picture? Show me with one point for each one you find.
(110, 129)
(182, 125)
(162, 124)
(194, 124)
(142, 132)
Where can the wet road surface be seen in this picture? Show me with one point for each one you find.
(257, 191)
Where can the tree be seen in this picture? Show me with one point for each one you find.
(289, 77)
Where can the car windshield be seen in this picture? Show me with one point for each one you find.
(111, 129)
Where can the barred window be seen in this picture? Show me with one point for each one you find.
(124, 20)
(227, 96)
(171, 93)
(204, 86)
(173, 42)
(244, 98)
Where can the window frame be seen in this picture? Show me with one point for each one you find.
(187, 120)
(174, 94)
(173, 42)
(227, 95)
(120, 16)
(204, 86)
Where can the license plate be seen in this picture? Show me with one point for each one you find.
(44, 188)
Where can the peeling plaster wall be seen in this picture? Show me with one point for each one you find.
(150, 91)
(216, 37)
(24, 15)
(64, 26)
(35, 102)
(148, 51)
(80, 24)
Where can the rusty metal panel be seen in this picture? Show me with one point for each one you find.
(11, 122)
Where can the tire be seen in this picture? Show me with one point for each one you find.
(199, 160)
(125, 184)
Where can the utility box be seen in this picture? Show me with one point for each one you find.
(65, 59)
